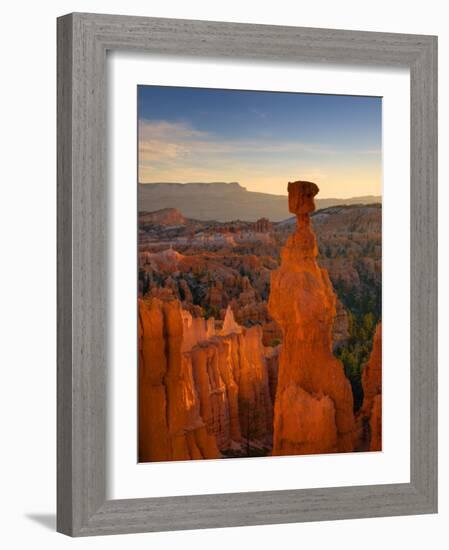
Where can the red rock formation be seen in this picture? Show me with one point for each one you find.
(170, 425)
(231, 377)
(371, 411)
(195, 330)
(200, 391)
(263, 225)
(314, 405)
(217, 389)
(255, 405)
(230, 326)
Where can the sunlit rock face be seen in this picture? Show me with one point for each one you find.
(202, 390)
(313, 410)
(217, 389)
(371, 411)
(231, 376)
(230, 326)
(170, 425)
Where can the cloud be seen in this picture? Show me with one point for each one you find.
(176, 151)
(162, 141)
(161, 129)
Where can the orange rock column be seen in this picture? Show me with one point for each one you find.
(313, 410)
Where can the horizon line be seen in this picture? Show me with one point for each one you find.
(247, 190)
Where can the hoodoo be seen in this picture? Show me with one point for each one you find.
(314, 405)
(170, 424)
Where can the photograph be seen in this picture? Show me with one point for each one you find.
(231, 224)
(259, 273)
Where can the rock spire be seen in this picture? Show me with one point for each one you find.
(314, 405)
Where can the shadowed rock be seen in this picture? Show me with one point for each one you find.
(371, 411)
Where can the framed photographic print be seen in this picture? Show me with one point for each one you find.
(246, 274)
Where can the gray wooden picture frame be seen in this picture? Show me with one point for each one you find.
(83, 41)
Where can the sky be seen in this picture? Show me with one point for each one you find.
(262, 140)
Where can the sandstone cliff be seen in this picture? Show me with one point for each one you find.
(314, 405)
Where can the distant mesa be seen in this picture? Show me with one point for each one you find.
(224, 202)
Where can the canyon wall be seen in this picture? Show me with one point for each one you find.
(203, 392)
(313, 410)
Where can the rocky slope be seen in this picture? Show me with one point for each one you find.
(314, 404)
